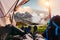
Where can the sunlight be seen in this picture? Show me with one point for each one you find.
(44, 3)
(47, 3)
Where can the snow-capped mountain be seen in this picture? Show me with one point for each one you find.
(31, 15)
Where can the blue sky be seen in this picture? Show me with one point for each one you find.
(34, 5)
(55, 7)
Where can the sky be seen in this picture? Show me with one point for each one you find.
(34, 5)
(54, 4)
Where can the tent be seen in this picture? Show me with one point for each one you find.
(6, 8)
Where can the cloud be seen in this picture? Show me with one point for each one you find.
(28, 9)
(25, 9)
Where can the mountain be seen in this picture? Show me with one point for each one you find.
(28, 14)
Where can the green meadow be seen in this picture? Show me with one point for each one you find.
(40, 28)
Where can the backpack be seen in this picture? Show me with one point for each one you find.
(53, 29)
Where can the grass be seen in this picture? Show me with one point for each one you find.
(40, 28)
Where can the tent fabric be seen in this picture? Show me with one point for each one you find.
(6, 8)
(2, 20)
(8, 4)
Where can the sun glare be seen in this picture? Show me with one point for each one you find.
(44, 3)
(47, 3)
